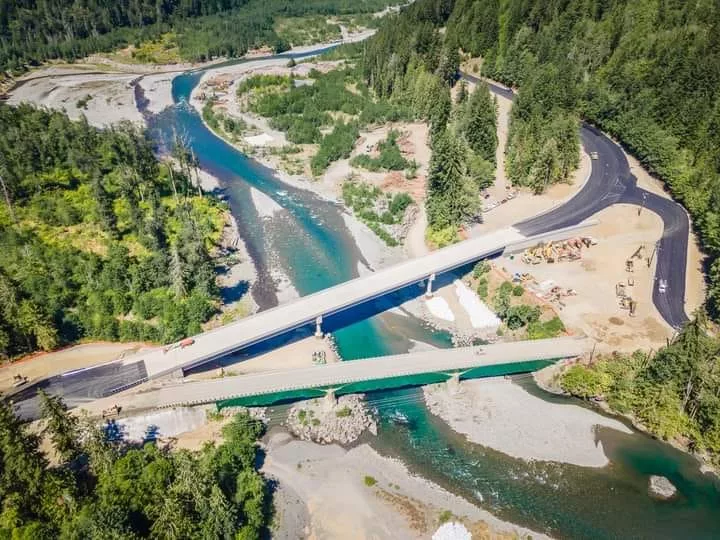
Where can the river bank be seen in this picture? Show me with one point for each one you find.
(357, 493)
(501, 415)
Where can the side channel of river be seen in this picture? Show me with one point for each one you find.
(310, 244)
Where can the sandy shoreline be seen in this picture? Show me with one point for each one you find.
(397, 505)
(502, 415)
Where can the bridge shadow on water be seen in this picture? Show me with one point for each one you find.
(342, 319)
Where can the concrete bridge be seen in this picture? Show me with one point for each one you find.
(361, 375)
(312, 308)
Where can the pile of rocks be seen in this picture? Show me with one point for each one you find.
(661, 488)
(326, 421)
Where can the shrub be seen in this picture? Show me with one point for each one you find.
(585, 382)
(369, 481)
(482, 288)
(442, 237)
(343, 413)
(480, 269)
(518, 290)
(542, 330)
(335, 145)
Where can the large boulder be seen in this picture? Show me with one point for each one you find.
(661, 488)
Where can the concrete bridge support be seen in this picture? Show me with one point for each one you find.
(429, 291)
(453, 383)
(318, 327)
(330, 399)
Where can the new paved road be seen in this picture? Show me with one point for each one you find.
(611, 182)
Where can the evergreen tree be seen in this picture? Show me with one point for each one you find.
(440, 109)
(61, 426)
(478, 123)
(462, 93)
(452, 196)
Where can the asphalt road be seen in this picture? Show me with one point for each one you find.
(611, 182)
(79, 386)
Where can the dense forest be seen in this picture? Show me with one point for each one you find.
(410, 63)
(98, 239)
(32, 32)
(674, 393)
(647, 72)
(102, 487)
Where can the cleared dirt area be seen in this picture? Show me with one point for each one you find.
(595, 310)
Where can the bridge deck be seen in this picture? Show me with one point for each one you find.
(342, 373)
(273, 322)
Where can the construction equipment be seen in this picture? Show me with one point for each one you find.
(620, 290)
(179, 345)
(568, 250)
(638, 253)
(628, 303)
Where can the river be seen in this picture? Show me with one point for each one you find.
(309, 243)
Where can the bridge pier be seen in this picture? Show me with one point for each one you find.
(429, 291)
(318, 327)
(330, 399)
(453, 383)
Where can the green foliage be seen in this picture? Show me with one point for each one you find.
(102, 230)
(299, 31)
(134, 492)
(369, 481)
(543, 330)
(442, 237)
(445, 516)
(302, 111)
(343, 413)
(585, 382)
(264, 82)
(482, 288)
(480, 269)
(390, 158)
(674, 393)
(452, 196)
(630, 68)
(367, 203)
(335, 145)
(477, 122)
(514, 316)
(32, 33)
(521, 315)
(518, 290)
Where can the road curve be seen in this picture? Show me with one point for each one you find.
(611, 182)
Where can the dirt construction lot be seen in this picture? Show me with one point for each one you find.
(595, 309)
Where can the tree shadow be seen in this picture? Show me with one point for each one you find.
(235, 292)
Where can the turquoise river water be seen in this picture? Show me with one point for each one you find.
(310, 244)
